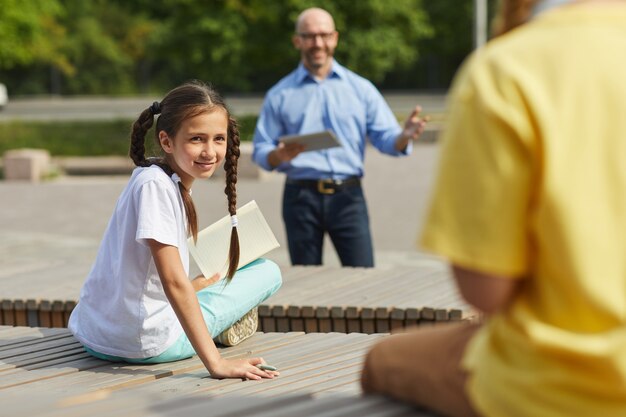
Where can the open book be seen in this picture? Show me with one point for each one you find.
(255, 240)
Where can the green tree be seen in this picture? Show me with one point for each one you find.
(441, 54)
(28, 32)
(126, 46)
(104, 45)
(245, 45)
(197, 39)
(380, 35)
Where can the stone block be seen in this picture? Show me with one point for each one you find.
(26, 164)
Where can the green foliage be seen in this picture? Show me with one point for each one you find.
(85, 138)
(68, 138)
(244, 44)
(103, 46)
(28, 31)
(449, 22)
(130, 46)
(203, 40)
(381, 36)
(442, 53)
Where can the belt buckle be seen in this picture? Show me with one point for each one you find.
(321, 186)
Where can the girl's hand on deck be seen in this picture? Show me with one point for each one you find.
(241, 368)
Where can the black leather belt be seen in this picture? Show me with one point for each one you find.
(326, 185)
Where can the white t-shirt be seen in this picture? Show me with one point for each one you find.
(123, 310)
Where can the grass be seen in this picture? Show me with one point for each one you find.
(96, 137)
(83, 138)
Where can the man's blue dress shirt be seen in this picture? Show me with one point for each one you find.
(343, 102)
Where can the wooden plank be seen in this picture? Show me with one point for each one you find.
(121, 375)
(19, 308)
(441, 315)
(427, 313)
(32, 313)
(289, 357)
(67, 311)
(267, 323)
(382, 315)
(314, 363)
(353, 325)
(41, 356)
(282, 322)
(268, 346)
(308, 377)
(124, 404)
(8, 317)
(310, 321)
(296, 323)
(412, 317)
(367, 288)
(367, 320)
(24, 336)
(45, 311)
(397, 319)
(265, 310)
(244, 406)
(311, 325)
(456, 315)
(428, 287)
(54, 368)
(56, 315)
(309, 357)
(124, 376)
(353, 320)
(337, 316)
(38, 346)
(308, 287)
(324, 322)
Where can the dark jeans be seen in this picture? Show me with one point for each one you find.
(308, 214)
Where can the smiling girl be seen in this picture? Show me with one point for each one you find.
(138, 304)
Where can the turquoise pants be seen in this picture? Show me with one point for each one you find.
(222, 305)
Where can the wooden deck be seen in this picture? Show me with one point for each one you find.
(46, 372)
(312, 299)
(123, 405)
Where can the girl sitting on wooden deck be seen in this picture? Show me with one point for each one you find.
(138, 304)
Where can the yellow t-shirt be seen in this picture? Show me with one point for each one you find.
(532, 183)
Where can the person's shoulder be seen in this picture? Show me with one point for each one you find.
(151, 174)
(521, 48)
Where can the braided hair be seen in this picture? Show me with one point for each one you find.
(186, 101)
(230, 166)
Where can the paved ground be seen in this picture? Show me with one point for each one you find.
(50, 232)
(89, 108)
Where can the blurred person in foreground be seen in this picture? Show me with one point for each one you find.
(323, 191)
(530, 210)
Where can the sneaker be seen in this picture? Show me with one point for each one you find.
(241, 330)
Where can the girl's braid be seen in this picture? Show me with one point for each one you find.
(138, 135)
(230, 166)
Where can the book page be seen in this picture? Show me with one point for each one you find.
(313, 141)
(255, 240)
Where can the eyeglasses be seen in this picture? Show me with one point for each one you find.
(311, 37)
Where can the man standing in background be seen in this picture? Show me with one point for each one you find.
(323, 191)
